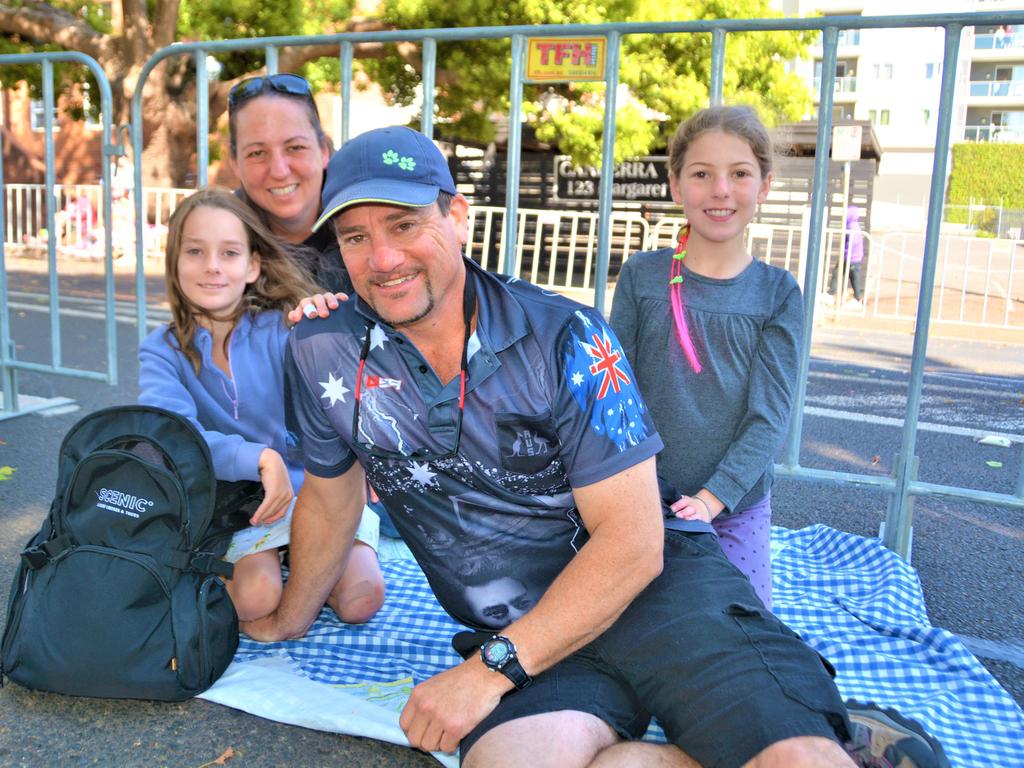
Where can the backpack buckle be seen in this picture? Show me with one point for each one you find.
(204, 562)
(34, 558)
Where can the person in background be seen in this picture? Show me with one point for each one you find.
(852, 262)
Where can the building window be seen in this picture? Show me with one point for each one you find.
(932, 70)
(882, 71)
(37, 112)
(878, 116)
(927, 115)
(846, 77)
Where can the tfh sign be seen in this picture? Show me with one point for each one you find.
(565, 59)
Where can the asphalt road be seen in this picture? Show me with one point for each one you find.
(969, 555)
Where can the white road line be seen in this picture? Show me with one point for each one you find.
(889, 421)
(998, 388)
(121, 314)
(995, 649)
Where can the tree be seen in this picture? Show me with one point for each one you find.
(134, 30)
(668, 76)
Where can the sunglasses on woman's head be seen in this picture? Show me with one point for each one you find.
(293, 85)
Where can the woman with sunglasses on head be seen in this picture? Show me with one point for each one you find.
(279, 152)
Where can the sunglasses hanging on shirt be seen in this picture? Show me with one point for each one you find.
(420, 454)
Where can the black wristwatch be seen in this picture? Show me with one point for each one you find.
(499, 654)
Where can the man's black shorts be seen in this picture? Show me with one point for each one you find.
(698, 651)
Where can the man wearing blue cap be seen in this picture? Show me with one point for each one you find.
(501, 427)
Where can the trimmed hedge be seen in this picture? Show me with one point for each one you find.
(990, 174)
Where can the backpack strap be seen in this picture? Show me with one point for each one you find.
(204, 562)
(199, 562)
(38, 556)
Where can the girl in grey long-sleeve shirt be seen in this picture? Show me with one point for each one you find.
(720, 381)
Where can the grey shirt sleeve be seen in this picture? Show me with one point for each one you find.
(762, 429)
(623, 319)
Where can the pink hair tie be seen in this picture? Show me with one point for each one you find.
(675, 286)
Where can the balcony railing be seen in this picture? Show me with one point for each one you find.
(992, 41)
(1014, 88)
(846, 84)
(994, 133)
(846, 37)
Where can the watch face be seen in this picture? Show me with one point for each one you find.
(495, 652)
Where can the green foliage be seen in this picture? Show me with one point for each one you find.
(988, 174)
(984, 174)
(234, 19)
(64, 75)
(668, 76)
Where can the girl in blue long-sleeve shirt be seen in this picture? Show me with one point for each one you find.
(220, 363)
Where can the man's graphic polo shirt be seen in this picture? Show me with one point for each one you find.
(551, 403)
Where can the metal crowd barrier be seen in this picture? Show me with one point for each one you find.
(9, 364)
(902, 486)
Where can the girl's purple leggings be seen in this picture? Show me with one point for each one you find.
(745, 540)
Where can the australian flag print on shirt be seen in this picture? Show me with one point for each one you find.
(602, 382)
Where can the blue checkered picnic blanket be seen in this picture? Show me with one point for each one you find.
(854, 601)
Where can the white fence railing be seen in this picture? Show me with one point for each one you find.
(78, 219)
(979, 282)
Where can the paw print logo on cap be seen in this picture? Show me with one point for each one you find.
(391, 157)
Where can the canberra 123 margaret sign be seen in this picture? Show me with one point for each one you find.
(642, 180)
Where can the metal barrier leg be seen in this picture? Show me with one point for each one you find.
(10, 382)
(900, 512)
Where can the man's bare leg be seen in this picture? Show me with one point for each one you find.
(643, 754)
(803, 752)
(800, 752)
(564, 739)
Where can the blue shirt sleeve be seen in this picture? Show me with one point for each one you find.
(322, 451)
(603, 424)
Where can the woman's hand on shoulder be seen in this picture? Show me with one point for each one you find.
(319, 305)
(277, 489)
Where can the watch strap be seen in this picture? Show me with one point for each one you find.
(514, 671)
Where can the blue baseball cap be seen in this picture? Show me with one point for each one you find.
(394, 165)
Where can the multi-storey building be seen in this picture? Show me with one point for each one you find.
(891, 77)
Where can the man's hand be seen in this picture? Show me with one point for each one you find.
(442, 710)
(319, 305)
(277, 489)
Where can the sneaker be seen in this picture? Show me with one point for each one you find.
(883, 738)
(853, 304)
(827, 299)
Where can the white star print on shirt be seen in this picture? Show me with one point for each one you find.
(377, 337)
(421, 473)
(334, 389)
(577, 378)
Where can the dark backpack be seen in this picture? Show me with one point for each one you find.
(120, 594)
